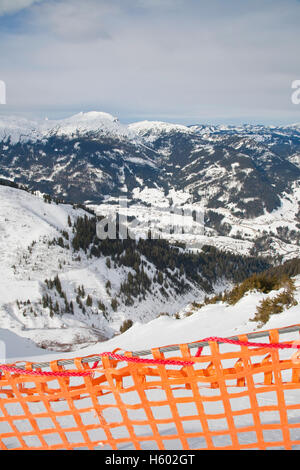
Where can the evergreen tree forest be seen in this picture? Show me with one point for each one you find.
(171, 262)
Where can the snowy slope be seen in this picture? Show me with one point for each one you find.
(28, 226)
(219, 320)
(212, 320)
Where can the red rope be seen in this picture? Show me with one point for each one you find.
(248, 343)
(140, 360)
(117, 357)
(39, 373)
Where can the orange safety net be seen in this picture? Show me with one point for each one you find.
(232, 397)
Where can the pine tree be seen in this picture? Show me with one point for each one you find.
(57, 284)
(114, 304)
(126, 325)
(160, 278)
(101, 306)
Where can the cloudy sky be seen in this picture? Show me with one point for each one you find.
(187, 61)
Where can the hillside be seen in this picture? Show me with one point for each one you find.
(63, 287)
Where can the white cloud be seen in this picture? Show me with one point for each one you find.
(199, 60)
(160, 3)
(77, 20)
(12, 6)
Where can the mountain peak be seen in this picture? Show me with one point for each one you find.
(19, 128)
(156, 126)
(91, 116)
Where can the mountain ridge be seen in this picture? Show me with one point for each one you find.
(242, 175)
(92, 121)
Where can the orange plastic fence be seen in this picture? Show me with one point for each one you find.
(231, 398)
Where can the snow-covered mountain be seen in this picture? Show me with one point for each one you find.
(23, 130)
(92, 155)
(245, 177)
